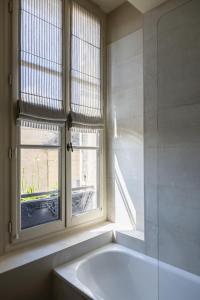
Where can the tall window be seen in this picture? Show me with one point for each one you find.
(60, 132)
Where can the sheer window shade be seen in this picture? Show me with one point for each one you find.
(40, 61)
(85, 106)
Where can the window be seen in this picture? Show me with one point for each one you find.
(59, 130)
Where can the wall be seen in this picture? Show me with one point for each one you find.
(171, 126)
(125, 117)
(172, 131)
(4, 125)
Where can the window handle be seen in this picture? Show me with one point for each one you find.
(70, 147)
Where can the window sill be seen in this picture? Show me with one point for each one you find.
(139, 235)
(132, 239)
(51, 246)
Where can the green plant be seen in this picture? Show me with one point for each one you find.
(24, 199)
(30, 189)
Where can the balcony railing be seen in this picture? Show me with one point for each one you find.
(40, 208)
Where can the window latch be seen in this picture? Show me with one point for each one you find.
(70, 147)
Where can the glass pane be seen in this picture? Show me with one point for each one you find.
(39, 182)
(36, 136)
(85, 139)
(85, 180)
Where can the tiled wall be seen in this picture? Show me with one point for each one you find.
(125, 128)
(172, 131)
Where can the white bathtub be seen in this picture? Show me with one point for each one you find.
(118, 273)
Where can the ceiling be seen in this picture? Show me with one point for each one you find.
(146, 5)
(142, 5)
(108, 5)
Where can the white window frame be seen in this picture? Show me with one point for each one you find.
(67, 220)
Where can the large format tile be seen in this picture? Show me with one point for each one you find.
(150, 129)
(150, 165)
(125, 74)
(180, 218)
(122, 99)
(151, 203)
(179, 125)
(179, 249)
(179, 72)
(126, 48)
(125, 131)
(184, 196)
(179, 166)
(172, 131)
(151, 239)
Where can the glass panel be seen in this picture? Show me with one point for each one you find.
(85, 180)
(39, 182)
(35, 136)
(85, 139)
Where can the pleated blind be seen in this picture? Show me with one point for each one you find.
(40, 61)
(86, 107)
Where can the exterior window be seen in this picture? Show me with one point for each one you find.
(39, 176)
(59, 119)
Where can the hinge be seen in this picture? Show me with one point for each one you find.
(11, 153)
(10, 227)
(10, 79)
(10, 6)
(70, 147)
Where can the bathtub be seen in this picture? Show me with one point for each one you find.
(114, 272)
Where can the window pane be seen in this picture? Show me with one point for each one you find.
(36, 136)
(85, 139)
(85, 180)
(40, 195)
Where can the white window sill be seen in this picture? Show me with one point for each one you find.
(132, 239)
(139, 235)
(32, 253)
